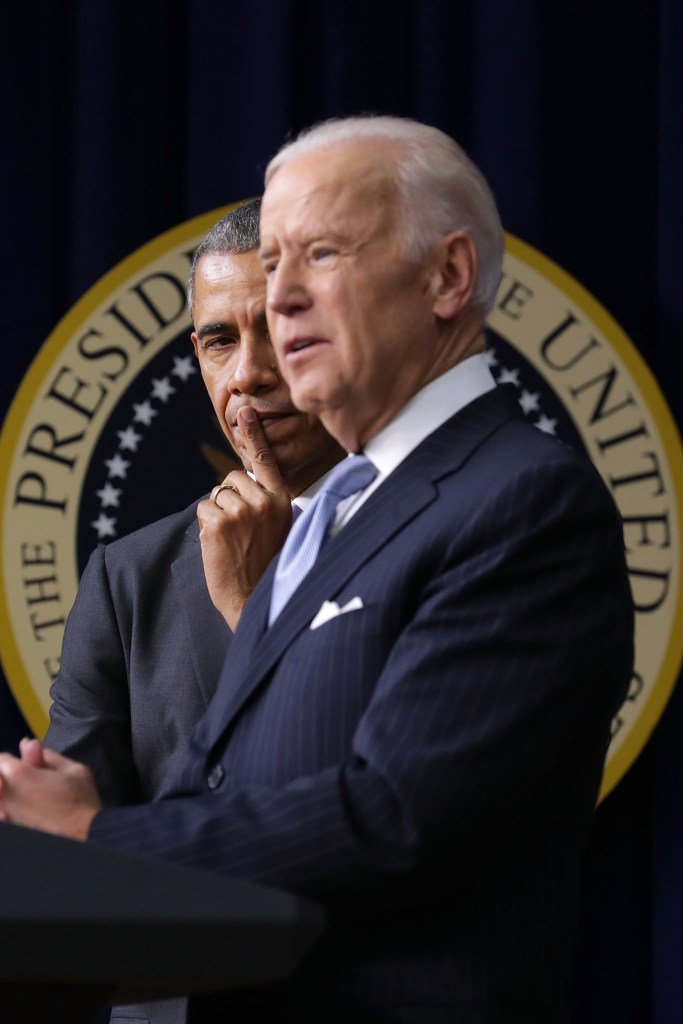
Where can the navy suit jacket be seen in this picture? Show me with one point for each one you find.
(427, 765)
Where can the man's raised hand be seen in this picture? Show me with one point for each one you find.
(244, 523)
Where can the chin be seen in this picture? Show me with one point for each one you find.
(310, 392)
(302, 401)
(311, 401)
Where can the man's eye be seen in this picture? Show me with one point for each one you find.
(224, 341)
(322, 253)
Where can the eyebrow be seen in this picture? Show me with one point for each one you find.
(207, 329)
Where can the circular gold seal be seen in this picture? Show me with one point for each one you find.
(580, 377)
(111, 429)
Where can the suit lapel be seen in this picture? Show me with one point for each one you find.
(403, 495)
(208, 646)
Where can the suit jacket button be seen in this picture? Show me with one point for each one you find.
(215, 776)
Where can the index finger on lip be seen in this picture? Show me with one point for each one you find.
(263, 464)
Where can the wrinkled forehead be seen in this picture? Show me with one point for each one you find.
(229, 286)
(236, 277)
(228, 265)
(336, 185)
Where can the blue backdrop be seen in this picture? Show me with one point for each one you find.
(122, 118)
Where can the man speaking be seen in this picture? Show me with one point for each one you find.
(421, 685)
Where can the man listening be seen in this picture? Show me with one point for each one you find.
(144, 644)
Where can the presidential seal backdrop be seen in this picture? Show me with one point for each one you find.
(111, 429)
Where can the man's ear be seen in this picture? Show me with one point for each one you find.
(455, 274)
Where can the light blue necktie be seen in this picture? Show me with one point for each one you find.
(308, 533)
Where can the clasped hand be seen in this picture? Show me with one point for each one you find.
(43, 790)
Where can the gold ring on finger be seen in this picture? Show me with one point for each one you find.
(223, 487)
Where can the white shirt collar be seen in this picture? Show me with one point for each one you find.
(435, 403)
(304, 499)
(427, 410)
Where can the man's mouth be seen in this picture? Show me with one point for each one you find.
(299, 344)
(267, 416)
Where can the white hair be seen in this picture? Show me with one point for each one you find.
(440, 188)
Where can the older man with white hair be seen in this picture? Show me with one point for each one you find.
(422, 684)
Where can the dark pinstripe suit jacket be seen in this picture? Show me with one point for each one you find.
(427, 765)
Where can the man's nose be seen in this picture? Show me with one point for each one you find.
(255, 369)
(286, 289)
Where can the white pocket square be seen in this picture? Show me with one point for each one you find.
(330, 610)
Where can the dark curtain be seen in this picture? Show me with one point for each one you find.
(122, 118)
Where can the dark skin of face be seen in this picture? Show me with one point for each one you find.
(246, 521)
(239, 369)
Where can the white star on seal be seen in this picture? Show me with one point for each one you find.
(104, 526)
(546, 424)
(144, 413)
(509, 377)
(490, 357)
(183, 368)
(529, 401)
(162, 389)
(109, 496)
(129, 439)
(117, 466)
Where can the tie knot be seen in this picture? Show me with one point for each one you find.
(352, 474)
(308, 533)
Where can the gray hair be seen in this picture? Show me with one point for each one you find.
(235, 233)
(440, 188)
